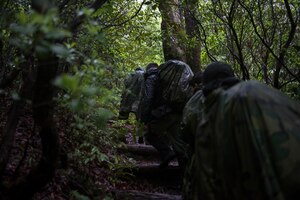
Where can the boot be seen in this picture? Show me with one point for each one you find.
(141, 140)
(167, 159)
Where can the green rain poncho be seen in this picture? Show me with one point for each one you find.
(247, 145)
(192, 115)
(132, 91)
(174, 77)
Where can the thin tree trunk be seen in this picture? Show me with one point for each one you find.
(281, 60)
(9, 133)
(14, 114)
(193, 48)
(265, 60)
(1, 60)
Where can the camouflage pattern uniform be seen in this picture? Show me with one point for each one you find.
(192, 115)
(165, 92)
(174, 77)
(131, 94)
(247, 145)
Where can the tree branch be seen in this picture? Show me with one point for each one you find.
(237, 41)
(80, 19)
(211, 57)
(283, 51)
(133, 16)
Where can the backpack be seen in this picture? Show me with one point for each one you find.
(131, 93)
(250, 129)
(174, 77)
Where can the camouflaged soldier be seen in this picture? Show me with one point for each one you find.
(192, 114)
(248, 143)
(164, 95)
(131, 94)
(149, 102)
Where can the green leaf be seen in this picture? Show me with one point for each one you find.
(76, 105)
(27, 29)
(108, 198)
(58, 34)
(75, 195)
(89, 91)
(86, 12)
(22, 17)
(67, 82)
(103, 157)
(101, 117)
(15, 96)
(42, 51)
(60, 50)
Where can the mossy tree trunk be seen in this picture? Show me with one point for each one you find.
(193, 47)
(172, 28)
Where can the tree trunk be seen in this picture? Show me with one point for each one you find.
(172, 30)
(278, 68)
(1, 59)
(9, 132)
(265, 60)
(14, 114)
(193, 48)
(24, 188)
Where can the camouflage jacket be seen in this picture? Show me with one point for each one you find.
(174, 77)
(192, 114)
(247, 145)
(131, 94)
(149, 94)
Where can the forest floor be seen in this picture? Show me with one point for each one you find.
(94, 180)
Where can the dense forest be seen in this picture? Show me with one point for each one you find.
(63, 63)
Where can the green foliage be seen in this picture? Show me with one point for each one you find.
(107, 198)
(36, 33)
(128, 41)
(87, 93)
(228, 34)
(75, 195)
(87, 153)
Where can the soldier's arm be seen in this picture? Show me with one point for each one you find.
(149, 95)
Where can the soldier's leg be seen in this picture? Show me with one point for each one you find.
(179, 146)
(139, 127)
(156, 136)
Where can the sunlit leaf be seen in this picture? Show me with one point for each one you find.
(67, 82)
(57, 34)
(60, 50)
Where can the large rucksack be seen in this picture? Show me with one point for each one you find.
(174, 77)
(131, 93)
(248, 142)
